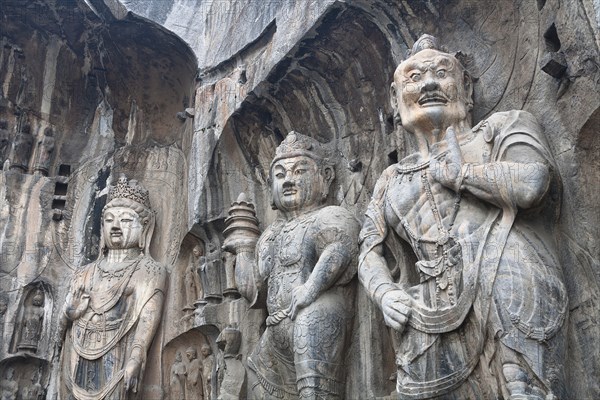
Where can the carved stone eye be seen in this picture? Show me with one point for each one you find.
(441, 73)
(415, 77)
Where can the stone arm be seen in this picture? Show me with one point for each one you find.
(376, 278)
(144, 333)
(333, 262)
(506, 183)
(76, 303)
(519, 180)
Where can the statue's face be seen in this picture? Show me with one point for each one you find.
(122, 228)
(431, 91)
(190, 354)
(206, 351)
(297, 183)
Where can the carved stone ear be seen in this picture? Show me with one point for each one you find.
(394, 103)
(393, 98)
(145, 227)
(328, 173)
(468, 83)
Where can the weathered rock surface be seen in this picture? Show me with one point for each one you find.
(114, 81)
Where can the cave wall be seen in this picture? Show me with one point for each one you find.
(192, 98)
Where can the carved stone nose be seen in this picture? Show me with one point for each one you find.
(430, 85)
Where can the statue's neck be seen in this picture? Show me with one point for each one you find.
(293, 214)
(429, 139)
(120, 255)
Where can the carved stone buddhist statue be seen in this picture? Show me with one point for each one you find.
(208, 368)
(194, 388)
(233, 380)
(114, 304)
(304, 264)
(33, 319)
(481, 313)
(177, 378)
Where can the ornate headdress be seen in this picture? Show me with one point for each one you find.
(296, 144)
(131, 190)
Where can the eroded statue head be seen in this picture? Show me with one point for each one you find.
(127, 219)
(300, 174)
(191, 353)
(431, 88)
(38, 298)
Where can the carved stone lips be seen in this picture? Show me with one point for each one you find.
(430, 99)
(289, 192)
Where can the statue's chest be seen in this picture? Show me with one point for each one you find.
(419, 202)
(287, 246)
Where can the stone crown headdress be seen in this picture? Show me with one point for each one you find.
(131, 190)
(296, 144)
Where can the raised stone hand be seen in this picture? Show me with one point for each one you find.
(239, 245)
(76, 303)
(448, 172)
(396, 308)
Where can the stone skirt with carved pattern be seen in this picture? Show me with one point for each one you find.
(512, 293)
(307, 352)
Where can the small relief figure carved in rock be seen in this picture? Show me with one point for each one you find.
(481, 313)
(234, 374)
(304, 265)
(208, 367)
(35, 391)
(33, 318)
(194, 389)
(114, 305)
(210, 275)
(191, 279)
(4, 141)
(21, 150)
(43, 152)
(177, 378)
(9, 387)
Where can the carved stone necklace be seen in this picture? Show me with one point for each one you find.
(443, 232)
(117, 273)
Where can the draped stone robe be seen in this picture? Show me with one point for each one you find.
(498, 277)
(99, 343)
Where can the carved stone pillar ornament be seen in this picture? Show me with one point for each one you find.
(241, 224)
(485, 317)
(114, 304)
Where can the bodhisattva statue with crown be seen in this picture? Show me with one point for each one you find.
(114, 304)
(480, 315)
(302, 265)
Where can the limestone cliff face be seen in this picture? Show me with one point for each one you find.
(192, 98)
